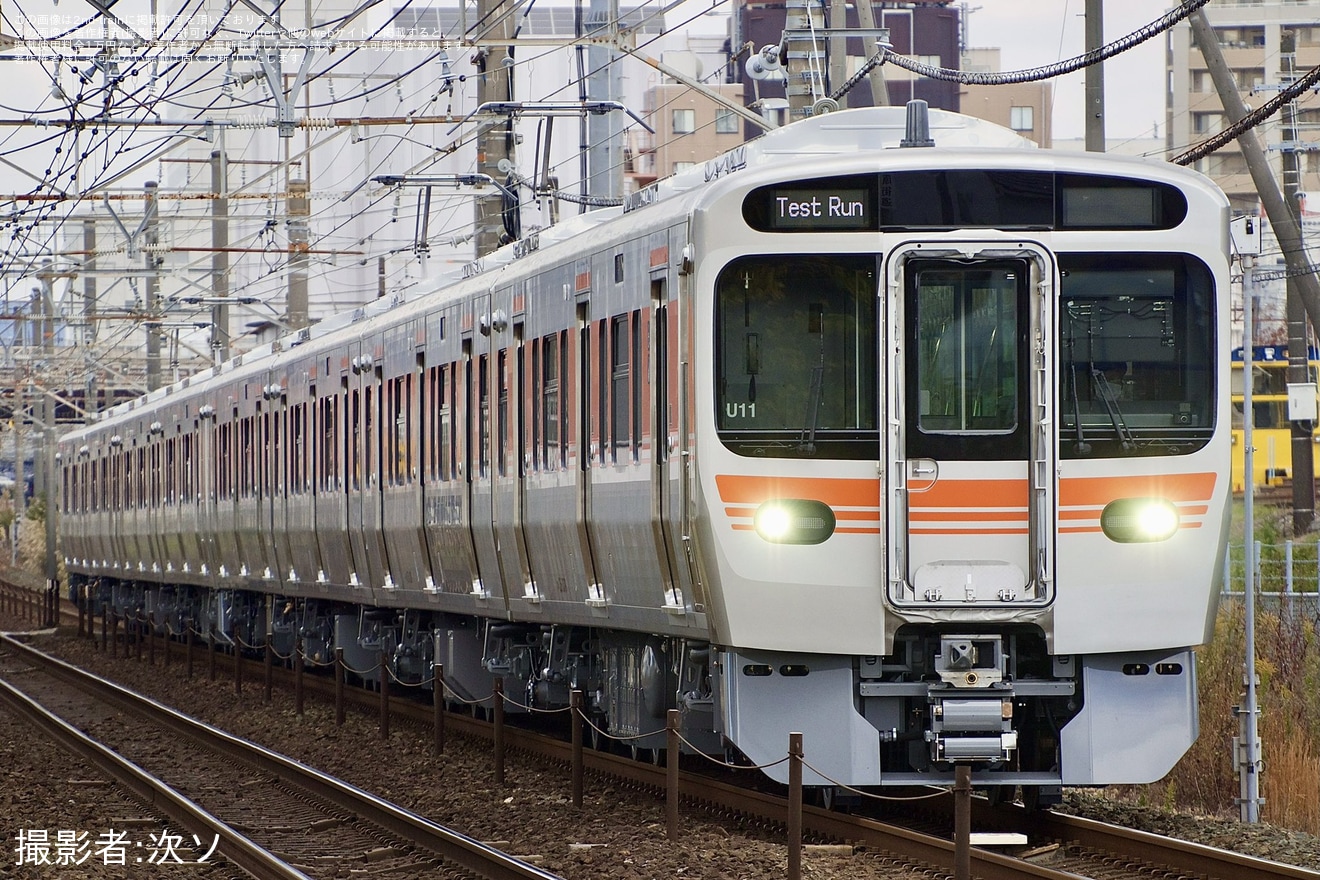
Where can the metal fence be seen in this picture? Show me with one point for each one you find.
(1287, 577)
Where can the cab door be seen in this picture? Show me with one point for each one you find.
(970, 448)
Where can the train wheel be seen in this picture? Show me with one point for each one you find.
(999, 794)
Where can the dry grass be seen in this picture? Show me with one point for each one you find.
(1287, 652)
(1288, 668)
(1290, 785)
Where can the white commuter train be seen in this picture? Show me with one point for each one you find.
(919, 450)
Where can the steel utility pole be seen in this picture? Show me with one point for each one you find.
(1095, 79)
(43, 408)
(90, 403)
(151, 305)
(804, 61)
(1246, 746)
(879, 88)
(604, 83)
(494, 142)
(220, 255)
(299, 210)
(838, 54)
(43, 417)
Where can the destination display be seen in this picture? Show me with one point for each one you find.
(963, 198)
(825, 204)
(820, 208)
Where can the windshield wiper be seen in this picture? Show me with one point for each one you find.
(1083, 448)
(815, 327)
(807, 442)
(1110, 399)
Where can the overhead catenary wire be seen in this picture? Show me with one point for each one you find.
(1305, 83)
(1058, 68)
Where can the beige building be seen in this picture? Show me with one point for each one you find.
(1266, 45)
(690, 127)
(1026, 107)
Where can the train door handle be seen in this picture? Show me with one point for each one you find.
(922, 474)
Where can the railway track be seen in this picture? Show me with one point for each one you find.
(1059, 846)
(265, 813)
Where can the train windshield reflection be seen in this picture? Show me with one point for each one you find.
(796, 356)
(1136, 355)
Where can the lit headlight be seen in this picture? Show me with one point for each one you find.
(1139, 520)
(794, 521)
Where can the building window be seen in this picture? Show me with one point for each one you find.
(1021, 118)
(685, 121)
(726, 122)
(1207, 123)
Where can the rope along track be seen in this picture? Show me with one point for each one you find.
(318, 826)
(1088, 848)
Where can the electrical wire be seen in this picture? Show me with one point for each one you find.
(1251, 120)
(1048, 71)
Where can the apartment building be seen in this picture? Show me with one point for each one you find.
(1266, 45)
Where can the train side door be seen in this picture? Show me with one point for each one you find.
(509, 495)
(970, 455)
(360, 479)
(480, 366)
(277, 482)
(204, 489)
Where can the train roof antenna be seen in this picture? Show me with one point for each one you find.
(918, 125)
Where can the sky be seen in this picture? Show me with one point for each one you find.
(1031, 33)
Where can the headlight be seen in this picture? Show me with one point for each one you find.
(1139, 520)
(794, 521)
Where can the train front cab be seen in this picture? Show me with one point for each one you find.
(996, 489)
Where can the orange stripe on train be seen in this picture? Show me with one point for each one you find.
(1004, 531)
(736, 489)
(979, 495)
(974, 494)
(924, 514)
(1099, 491)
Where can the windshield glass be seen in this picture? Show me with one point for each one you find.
(1136, 355)
(795, 356)
(966, 390)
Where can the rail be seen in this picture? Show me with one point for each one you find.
(698, 789)
(455, 848)
(237, 848)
